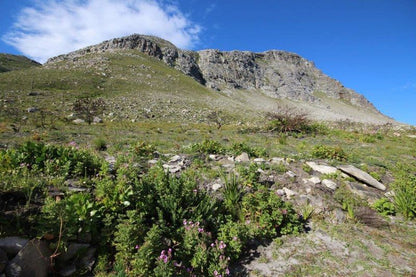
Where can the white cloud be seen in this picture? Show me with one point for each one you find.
(54, 27)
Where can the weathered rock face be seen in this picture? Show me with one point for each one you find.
(278, 74)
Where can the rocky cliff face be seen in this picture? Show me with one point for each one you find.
(278, 74)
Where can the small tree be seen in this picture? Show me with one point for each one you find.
(88, 108)
(215, 118)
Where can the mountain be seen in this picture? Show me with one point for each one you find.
(148, 77)
(10, 62)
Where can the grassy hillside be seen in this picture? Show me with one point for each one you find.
(10, 62)
(106, 184)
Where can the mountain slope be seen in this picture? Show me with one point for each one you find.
(143, 77)
(10, 62)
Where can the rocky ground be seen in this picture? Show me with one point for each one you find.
(334, 244)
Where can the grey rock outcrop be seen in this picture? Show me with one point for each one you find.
(278, 74)
(362, 176)
(32, 260)
(12, 245)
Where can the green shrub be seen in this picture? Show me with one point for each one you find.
(249, 176)
(329, 152)
(268, 215)
(384, 206)
(348, 201)
(287, 120)
(79, 214)
(405, 191)
(238, 148)
(232, 195)
(100, 144)
(143, 149)
(208, 147)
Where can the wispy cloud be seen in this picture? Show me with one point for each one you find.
(53, 27)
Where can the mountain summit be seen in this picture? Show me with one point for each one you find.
(278, 74)
(144, 77)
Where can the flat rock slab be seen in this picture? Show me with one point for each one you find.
(361, 176)
(32, 260)
(12, 245)
(323, 169)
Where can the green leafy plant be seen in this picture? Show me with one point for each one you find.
(238, 148)
(232, 195)
(384, 206)
(268, 215)
(87, 108)
(208, 147)
(329, 152)
(100, 144)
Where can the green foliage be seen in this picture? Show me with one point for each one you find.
(232, 195)
(329, 152)
(78, 212)
(100, 144)
(238, 148)
(348, 200)
(405, 191)
(143, 149)
(87, 108)
(287, 120)
(268, 215)
(208, 147)
(249, 176)
(371, 138)
(384, 206)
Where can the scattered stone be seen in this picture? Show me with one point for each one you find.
(71, 252)
(323, 169)
(96, 120)
(329, 184)
(175, 159)
(314, 180)
(68, 270)
(278, 161)
(289, 193)
(32, 260)
(362, 176)
(291, 174)
(280, 192)
(338, 216)
(390, 194)
(242, 158)
(88, 260)
(214, 157)
(259, 161)
(411, 136)
(3, 260)
(172, 168)
(32, 110)
(363, 191)
(12, 245)
(216, 186)
(78, 121)
(152, 162)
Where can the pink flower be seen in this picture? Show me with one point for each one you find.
(222, 245)
(137, 246)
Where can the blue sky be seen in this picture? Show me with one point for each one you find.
(368, 45)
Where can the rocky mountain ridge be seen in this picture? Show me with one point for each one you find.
(278, 74)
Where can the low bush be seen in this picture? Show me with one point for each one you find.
(329, 152)
(208, 147)
(405, 191)
(268, 216)
(384, 206)
(288, 120)
(238, 148)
